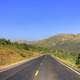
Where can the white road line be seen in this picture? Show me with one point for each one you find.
(68, 67)
(13, 65)
(37, 72)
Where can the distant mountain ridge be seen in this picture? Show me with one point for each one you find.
(67, 42)
(58, 38)
(24, 41)
(55, 38)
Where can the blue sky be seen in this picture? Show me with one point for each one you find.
(38, 19)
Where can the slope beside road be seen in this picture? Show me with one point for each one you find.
(42, 68)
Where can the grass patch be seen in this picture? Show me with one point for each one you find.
(67, 58)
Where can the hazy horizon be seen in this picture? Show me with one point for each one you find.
(21, 39)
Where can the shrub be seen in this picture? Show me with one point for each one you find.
(78, 59)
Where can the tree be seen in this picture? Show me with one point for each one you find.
(78, 59)
(5, 42)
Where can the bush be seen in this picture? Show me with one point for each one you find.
(78, 59)
(4, 42)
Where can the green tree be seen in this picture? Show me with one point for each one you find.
(78, 59)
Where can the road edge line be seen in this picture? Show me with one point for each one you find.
(67, 66)
(17, 64)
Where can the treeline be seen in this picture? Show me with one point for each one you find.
(5, 42)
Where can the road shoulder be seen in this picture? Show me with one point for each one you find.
(66, 65)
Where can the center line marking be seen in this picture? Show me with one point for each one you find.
(37, 72)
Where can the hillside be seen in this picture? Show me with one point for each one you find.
(11, 52)
(69, 42)
(64, 46)
(57, 39)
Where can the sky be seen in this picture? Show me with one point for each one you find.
(38, 19)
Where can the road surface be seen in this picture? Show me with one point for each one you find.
(42, 68)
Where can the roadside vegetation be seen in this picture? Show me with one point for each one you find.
(11, 52)
(69, 52)
(68, 58)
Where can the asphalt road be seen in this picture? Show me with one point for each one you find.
(43, 68)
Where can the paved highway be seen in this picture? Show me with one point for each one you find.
(42, 68)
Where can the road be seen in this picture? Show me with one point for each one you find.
(42, 68)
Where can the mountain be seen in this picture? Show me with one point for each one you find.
(68, 42)
(24, 42)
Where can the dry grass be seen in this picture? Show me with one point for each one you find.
(12, 55)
